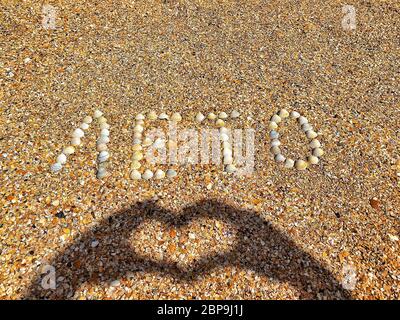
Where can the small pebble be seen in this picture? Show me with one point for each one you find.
(275, 118)
(135, 165)
(104, 132)
(137, 147)
(137, 135)
(315, 144)
(312, 159)
(103, 156)
(148, 174)
(163, 116)
(101, 173)
(97, 114)
(76, 141)
(152, 115)
(102, 120)
(274, 134)
(94, 244)
(87, 119)
(84, 126)
(101, 147)
(306, 127)
(137, 141)
(311, 134)
(295, 114)
(160, 174)
(115, 283)
(317, 152)
(235, 114)
(135, 175)
(147, 142)
(78, 133)
(212, 116)
(289, 163)
(137, 155)
(69, 150)
(103, 139)
(220, 123)
(275, 150)
(272, 125)
(62, 158)
(138, 128)
(200, 117)
(275, 143)
(104, 125)
(56, 167)
(171, 173)
(301, 165)
(176, 117)
(230, 168)
(283, 113)
(302, 120)
(140, 117)
(222, 115)
(279, 158)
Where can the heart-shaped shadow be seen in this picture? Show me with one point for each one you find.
(258, 246)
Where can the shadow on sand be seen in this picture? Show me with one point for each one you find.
(258, 247)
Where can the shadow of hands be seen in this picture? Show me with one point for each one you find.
(258, 246)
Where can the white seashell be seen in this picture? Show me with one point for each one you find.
(140, 117)
(230, 168)
(176, 117)
(152, 115)
(159, 143)
(227, 153)
(78, 133)
(97, 114)
(101, 147)
(104, 125)
(318, 152)
(275, 118)
(102, 120)
(135, 175)
(295, 114)
(137, 141)
(87, 119)
(283, 113)
(275, 150)
(139, 122)
(163, 116)
(224, 137)
(69, 150)
(200, 117)
(137, 155)
(275, 143)
(84, 126)
(224, 130)
(306, 127)
(147, 142)
(76, 141)
(159, 174)
(56, 167)
(147, 174)
(101, 173)
(302, 120)
(313, 159)
(226, 145)
(311, 134)
(279, 158)
(301, 165)
(103, 156)
(315, 144)
(220, 123)
(272, 125)
(212, 116)
(103, 139)
(289, 163)
(274, 134)
(137, 135)
(171, 173)
(228, 160)
(235, 114)
(222, 115)
(135, 165)
(138, 128)
(62, 158)
(104, 132)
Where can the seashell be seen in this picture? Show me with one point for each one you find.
(140, 116)
(311, 134)
(223, 137)
(295, 114)
(235, 114)
(301, 165)
(228, 160)
(101, 173)
(283, 113)
(147, 142)
(226, 145)
(306, 127)
(138, 128)
(137, 141)
(224, 130)
(104, 132)
(227, 152)
(211, 116)
(199, 117)
(222, 115)
(312, 159)
(137, 147)
(76, 141)
(69, 150)
(230, 168)
(171, 173)
(139, 122)
(101, 147)
(87, 119)
(78, 133)
(302, 120)
(220, 123)
(159, 143)
(147, 174)
(159, 174)
(272, 125)
(103, 139)
(103, 156)
(275, 150)
(279, 158)
(62, 158)
(275, 118)
(135, 175)
(102, 120)
(137, 155)
(275, 143)
(289, 163)
(56, 167)
(176, 117)
(97, 114)
(104, 125)
(318, 152)
(84, 126)
(163, 116)
(315, 144)
(137, 135)
(135, 165)
(152, 115)
(274, 134)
